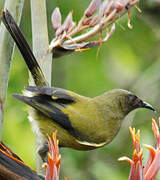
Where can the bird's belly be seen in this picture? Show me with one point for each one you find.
(89, 134)
(99, 132)
(44, 126)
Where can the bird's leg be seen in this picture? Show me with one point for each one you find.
(43, 151)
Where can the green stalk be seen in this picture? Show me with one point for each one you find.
(6, 53)
(40, 45)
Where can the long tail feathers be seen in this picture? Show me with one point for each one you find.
(24, 48)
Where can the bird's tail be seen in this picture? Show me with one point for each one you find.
(24, 48)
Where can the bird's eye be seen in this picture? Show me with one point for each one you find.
(132, 98)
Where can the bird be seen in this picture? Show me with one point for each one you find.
(82, 123)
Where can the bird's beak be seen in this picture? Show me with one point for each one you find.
(148, 106)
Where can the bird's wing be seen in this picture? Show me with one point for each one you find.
(44, 100)
(57, 94)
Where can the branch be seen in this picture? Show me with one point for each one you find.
(97, 17)
(6, 52)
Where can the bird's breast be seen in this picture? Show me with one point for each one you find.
(91, 125)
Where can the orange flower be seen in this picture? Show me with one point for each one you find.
(54, 159)
(150, 170)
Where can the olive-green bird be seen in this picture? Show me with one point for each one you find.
(82, 123)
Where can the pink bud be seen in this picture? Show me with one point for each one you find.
(56, 19)
(59, 31)
(105, 7)
(94, 5)
(119, 6)
(68, 22)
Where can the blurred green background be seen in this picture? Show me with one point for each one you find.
(129, 60)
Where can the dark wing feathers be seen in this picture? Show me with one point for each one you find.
(57, 94)
(47, 106)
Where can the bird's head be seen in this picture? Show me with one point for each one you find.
(128, 101)
(124, 101)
